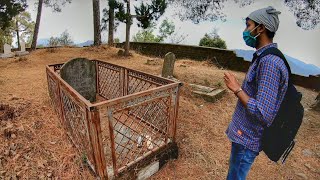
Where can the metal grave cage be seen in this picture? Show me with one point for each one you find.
(133, 119)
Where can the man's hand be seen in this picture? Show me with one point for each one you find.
(231, 81)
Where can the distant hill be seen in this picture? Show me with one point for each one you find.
(43, 42)
(297, 66)
(87, 43)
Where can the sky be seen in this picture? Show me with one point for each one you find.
(77, 19)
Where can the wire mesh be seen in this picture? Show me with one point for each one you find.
(110, 82)
(76, 123)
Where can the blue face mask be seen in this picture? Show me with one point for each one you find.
(250, 40)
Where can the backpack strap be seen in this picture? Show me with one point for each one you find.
(276, 52)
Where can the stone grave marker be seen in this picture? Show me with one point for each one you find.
(23, 49)
(168, 65)
(80, 73)
(6, 51)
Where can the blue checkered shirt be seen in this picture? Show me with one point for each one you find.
(266, 84)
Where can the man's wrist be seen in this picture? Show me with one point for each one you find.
(237, 91)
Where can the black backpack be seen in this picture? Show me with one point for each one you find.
(278, 138)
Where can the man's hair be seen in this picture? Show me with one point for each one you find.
(269, 33)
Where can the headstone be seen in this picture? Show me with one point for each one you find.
(168, 65)
(80, 73)
(22, 46)
(23, 51)
(6, 52)
(7, 49)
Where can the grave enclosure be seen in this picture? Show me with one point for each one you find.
(120, 120)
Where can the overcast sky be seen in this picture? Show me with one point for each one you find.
(292, 40)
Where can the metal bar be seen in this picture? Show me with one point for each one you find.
(94, 126)
(97, 77)
(113, 152)
(125, 82)
(132, 163)
(176, 113)
(146, 80)
(112, 102)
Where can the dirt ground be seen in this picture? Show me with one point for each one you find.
(34, 145)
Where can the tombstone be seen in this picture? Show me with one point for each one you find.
(22, 46)
(22, 51)
(80, 73)
(168, 65)
(7, 51)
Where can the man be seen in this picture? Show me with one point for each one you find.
(259, 96)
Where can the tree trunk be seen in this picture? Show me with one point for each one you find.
(111, 25)
(37, 26)
(18, 37)
(128, 24)
(96, 22)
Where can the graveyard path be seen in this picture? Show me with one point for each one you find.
(34, 145)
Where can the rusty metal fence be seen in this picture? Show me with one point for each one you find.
(134, 117)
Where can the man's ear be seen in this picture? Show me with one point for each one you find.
(261, 28)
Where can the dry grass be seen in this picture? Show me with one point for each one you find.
(35, 146)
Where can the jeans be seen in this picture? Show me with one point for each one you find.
(240, 162)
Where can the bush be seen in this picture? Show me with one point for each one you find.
(210, 41)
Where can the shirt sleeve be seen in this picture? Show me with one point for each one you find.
(264, 104)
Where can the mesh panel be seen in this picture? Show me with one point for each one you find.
(76, 124)
(54, 95)
(109, 79)
(140, 126)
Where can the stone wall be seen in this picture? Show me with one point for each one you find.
(221, 57)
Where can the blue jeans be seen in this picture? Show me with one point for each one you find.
(240, 162)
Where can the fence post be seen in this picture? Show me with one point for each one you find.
(125, 82)
(94, 127)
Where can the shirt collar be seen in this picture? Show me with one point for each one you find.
(260, 50)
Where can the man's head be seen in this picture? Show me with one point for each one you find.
(263, 24)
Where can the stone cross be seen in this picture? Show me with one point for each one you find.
(80, 73)
(168, 65)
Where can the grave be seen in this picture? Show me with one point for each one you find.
(7, 52)
(80, 74)
(168, 65)
(207, 93)
(129, 130)
(22, 51)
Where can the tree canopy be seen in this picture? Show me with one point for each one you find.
(9, 9)
(306, 12)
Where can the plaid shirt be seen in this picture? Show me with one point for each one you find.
(266, 84)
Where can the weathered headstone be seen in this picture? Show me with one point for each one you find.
(80, 73)
(7, 49)
(22, 46)
(6, 52)
(22, 49)
(168, 65)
